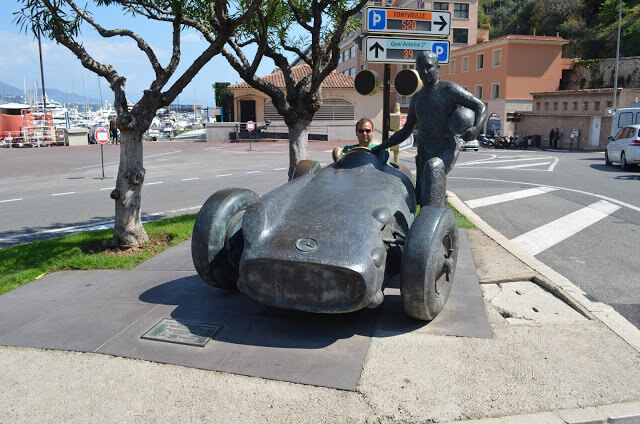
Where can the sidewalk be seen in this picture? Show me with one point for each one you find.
(561, 358)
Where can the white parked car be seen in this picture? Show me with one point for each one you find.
(624, 147)
(466, 145)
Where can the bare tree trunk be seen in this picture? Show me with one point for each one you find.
(298, 139)
(128, 231)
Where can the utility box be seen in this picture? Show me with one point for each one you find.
(76, 137)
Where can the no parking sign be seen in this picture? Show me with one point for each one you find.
(101, 134)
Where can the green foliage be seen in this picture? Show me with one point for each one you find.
(220, 88)
(21, 264)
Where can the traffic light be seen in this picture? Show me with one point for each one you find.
(513, 116)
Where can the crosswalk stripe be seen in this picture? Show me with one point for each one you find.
(525, 165)
(506, 197)
(548, 235)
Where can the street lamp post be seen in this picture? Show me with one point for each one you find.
(615, 81)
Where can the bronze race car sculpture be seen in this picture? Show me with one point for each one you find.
(330, 239)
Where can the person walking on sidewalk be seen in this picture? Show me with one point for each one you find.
(552, 135)
(555, 138)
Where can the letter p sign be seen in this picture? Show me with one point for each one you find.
(441, 50)
(377, 19)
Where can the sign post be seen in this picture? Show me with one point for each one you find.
(250, 127)
(101, 135)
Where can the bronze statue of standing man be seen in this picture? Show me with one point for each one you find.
(430, 110)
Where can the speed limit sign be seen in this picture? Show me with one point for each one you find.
(251, 125)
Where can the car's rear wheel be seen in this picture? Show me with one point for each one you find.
(305, 167)
(217, 243)
(606, 158)
(429, 263)
(623, 162)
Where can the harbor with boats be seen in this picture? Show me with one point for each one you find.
(50, 123)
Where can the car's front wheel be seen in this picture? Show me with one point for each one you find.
(606, 158)
(429, 263)
(217, 243)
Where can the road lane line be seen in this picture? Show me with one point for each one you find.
(524, 165)
(252, 172)
(548, 235)
(490, 161)
(599, 196)
(157, 182)
(278, 169)
(223, 175)
(506, 197)
(64, 194)
(190, 179)
(10, 200)
(107, 188)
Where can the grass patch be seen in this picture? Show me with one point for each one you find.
(87, 250)
(462, 220)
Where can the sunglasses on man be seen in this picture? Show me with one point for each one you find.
(361, 131)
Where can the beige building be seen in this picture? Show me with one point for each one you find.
(584, 110)
(341, 106)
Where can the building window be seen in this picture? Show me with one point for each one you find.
(565, 105)
(438, 5)
(480, 61)
(596, 105)
(497, 57)
(495, 90)
(537, 105)
(452, 67)
(363, 67)
(479, 91)
(344, 55)
(575, 105)
(461, 10)
(585, 105)
(555, 105)
(465, 64)
(546, 105)
(353, 51)
(352, 72)
(460, 35)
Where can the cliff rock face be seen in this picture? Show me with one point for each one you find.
(600, 73)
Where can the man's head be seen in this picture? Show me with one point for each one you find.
(364, 132)
(428, 67)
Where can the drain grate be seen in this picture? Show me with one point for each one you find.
(183, 332)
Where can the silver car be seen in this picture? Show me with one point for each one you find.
(624, 148)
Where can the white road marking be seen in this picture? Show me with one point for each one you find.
(64, 194)
(107, 188)
(10, 200)
(609, 199)
(157, 182)
(278, 169)
(252, 172)
(506, 197)
(223, 175)
(190, 179)
(112, 163)
(548, 235)
(523, 165)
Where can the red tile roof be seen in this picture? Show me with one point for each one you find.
(333, 80)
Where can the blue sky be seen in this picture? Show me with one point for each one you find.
(19, 62)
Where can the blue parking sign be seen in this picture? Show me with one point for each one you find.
(377, 20)
(441, 50)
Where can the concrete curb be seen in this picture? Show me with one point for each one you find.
(619, 413)
(555, 282)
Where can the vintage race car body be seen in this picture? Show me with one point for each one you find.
(329, 240)
(318, 243)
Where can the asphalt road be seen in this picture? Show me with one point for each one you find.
(572, 212)
(568, 209)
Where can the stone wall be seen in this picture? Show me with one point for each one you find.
(600, 73)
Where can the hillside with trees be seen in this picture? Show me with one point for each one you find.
(591, 25)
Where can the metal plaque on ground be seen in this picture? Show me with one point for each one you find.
(184, 332)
